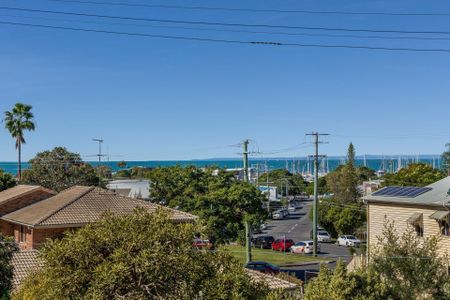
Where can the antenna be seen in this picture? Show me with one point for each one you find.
(100, 155)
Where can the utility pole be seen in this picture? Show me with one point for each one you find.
(316, 142)
(248, 245)
(100, 142)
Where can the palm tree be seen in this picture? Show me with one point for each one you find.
(19, 119)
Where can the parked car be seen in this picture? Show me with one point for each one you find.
(263, 226)
(305, 247)
(292, 208)
(262, 266)
(256, 230)
(282, 244)
(202, 244)
(348, 241)
(263, 242)
(323, 236)
(277, 215)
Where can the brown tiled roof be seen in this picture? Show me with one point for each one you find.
(80, 205)
(19, 191)
(271, 281)
(24, 263)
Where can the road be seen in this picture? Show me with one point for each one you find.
(297, 227)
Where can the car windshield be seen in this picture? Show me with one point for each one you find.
(267, 238)
(351, 237)
(322, 233)
(300, 244)
(310, 243)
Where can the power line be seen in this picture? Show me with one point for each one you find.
(234, 9)
(241, 30)
(272, 43)
(219, 23)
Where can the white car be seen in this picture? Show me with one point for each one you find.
(323, 236)
(305, 247)
(348, 241)
(291, 208)
(277, 215)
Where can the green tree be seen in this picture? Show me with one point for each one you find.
(220, 200)
(343, 182)
(401, 267)
(122, 164)
(446, 159)
(418, 174)
(7, 248)
(18, 120)
(322, 187)
(6, 180)
(59, 169)
(139, 256)
(410, 266)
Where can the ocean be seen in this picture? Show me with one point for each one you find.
(295, 165)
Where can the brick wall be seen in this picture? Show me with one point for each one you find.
(23, 201)
(40, 235)
(6, 228)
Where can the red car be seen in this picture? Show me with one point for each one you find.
(282, 244)
(202, 244)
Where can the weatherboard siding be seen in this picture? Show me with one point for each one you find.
(379, 213)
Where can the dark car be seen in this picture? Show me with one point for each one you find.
(263, 242)
(263, 266)
(282, 244)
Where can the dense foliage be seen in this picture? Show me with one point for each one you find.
(59, 169)
(281, 178)
(402, 267)
(140, 256)
(6, 180)
(418, 174)
(221, 201)
(7, 248)
(343, 212)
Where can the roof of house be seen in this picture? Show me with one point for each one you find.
(271, 281)
(24, 263)
(20, 191)
(80, 205)
(436, 195)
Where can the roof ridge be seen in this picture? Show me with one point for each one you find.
(91, 188)
(173, 210)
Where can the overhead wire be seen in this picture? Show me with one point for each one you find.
(257, 10)
(71, 13)
(218, 40)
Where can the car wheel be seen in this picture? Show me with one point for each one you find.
(346, 244)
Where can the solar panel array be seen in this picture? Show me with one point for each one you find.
(401, 191)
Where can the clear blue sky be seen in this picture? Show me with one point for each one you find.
(153, 99)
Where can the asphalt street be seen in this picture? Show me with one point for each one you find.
(297, 227)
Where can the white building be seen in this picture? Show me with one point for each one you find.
(134, 188)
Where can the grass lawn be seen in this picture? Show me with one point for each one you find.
(273, 257)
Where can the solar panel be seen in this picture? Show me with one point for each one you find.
(401, 191)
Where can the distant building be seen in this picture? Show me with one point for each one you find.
(133, 188)
(271, 191)
(426, 210)
(370, 186)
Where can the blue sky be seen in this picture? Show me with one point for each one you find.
(155, 99)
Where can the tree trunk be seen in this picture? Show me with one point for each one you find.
(19, 148)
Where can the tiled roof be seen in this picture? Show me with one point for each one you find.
(436, 196)
(271, 281)
(80, 205)
(24, 263)
(19, 191)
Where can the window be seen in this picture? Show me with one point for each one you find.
(418, 228)
(23, 234)
(444, 225)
